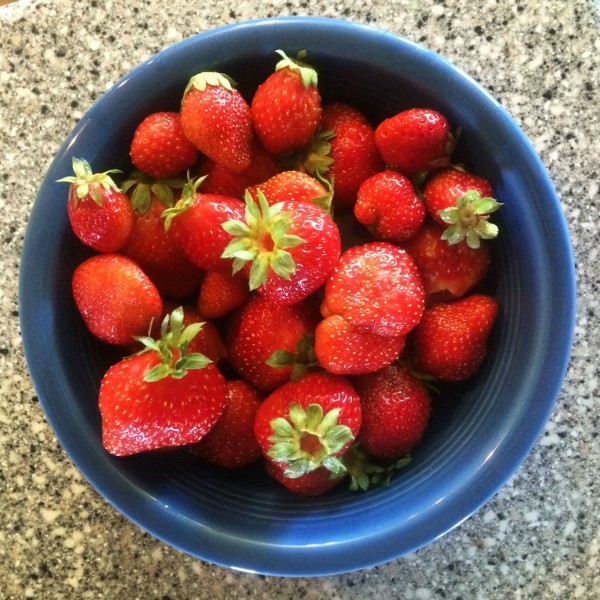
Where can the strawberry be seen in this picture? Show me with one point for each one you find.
(289, 249)
(450, 342)
(396, 409)
(309, 423)
(115, 297)
(159, 147)
(99, 213)
(413, 140)
(297, 186)
(221, 292)
(389, 207)
(464, 201)
(286, 107)
(156, 250)
(197, 221)
(216, 119)
(313, 483)
(376, 286)
(447, 271)
(231, 442)
(351, 149)
(163, 397)
(344, 349)
(260, 328)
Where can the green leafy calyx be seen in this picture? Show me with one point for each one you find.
(202, 80)
(301, 360)
(307, 73)
(88, 183)
(365, 471)
(141, 188)
(185, 201)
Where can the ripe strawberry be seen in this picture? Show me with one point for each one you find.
(376, 286)
(396, 408)
(196, 220)
(216, 119)
(450, 342)
(351, 148)
(344, 349)
(389, 207)
(154, 249)
(221, 292)
(259, 329)
(231, 442)
(309, 424)
(448, 271)
(159, 147)
(115, 297)
(289, 249)
(313, 483)
(99, 213)
(464, 201)
(286, 107)
(162, 397)
(297, 186)
(413, 140)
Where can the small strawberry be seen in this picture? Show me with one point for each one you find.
(231, 442)
(221, 292)
(260, 328)
(447, 271)
(289, 249)
(396, 409)
(99, 213)
(376, 286)
(451, 340)
(286, 107)
(115, 297)
(388, 205)
(216, 119)
(309, 424)
(344, 349)
(162, 397)
(313, 483)
(464, 201)
(414, 140)
(159, 147)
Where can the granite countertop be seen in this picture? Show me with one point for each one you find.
(539, 537)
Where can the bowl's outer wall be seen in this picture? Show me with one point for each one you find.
(243, 520)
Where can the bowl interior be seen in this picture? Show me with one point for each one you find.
(481, 430)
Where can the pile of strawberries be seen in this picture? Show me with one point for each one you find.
(256, 326)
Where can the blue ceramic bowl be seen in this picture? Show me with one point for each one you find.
(244, 520)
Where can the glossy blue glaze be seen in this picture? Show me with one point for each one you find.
(243, 520)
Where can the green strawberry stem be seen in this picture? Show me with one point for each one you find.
(468, 220)
(262, 240)
(88, 183)
(308, 440)
(143, 187)
(307, 73)
(301, 360)
(186, 200)
(172, 348)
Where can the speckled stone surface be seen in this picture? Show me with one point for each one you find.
(538, 538)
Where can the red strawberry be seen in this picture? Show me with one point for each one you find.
(223, 182)
(115, 298)
(313, 483)
(160, 148)
(396, 408)
(351, 149)
(100, 214)
(448, 271)
(376, 286)
(389, 207)
(286, 107)
(156, 250)
(309, 424)
(450, 342)
(417, 139)
(161, 398)
(259, 329)
(464, 201)
(221, 292)
(231, 442)
(297, 186)
(289, 249)
(197, 221)
(216, 119)
(344, 349)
